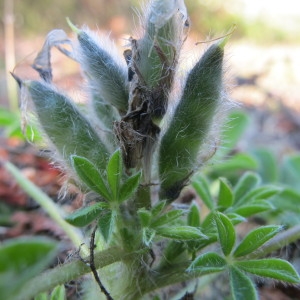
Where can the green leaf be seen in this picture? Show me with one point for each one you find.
(290, 171)
(86, 215)
(240, 161)
(148, 236)
(145, 217)
(233, 130)
(226, 232)
(129, 187)
(114, 173)
(225, 198)
(41, 296)
(242, 288)
(207, 263)
(201, 187)
(193, 218)
(88, 173)
(268, 165)
(59, 293)
(287, 200)
(174, 252)
(235, 218)
(158, 208)
(247, 182)
(21, 259)
(272, 268)
(260, 193)
(256, 238)
(184, 233)
(254, 208)
(167, 218)
(106, 224)
(208, 224)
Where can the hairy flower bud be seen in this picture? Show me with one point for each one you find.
(191, 122)
(64, 125)
(106, 76)
(155, 55)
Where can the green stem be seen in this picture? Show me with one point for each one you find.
(70, 271)
(48, 205)
(143, 197)
(163, 278)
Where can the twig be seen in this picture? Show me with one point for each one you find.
(93, 267)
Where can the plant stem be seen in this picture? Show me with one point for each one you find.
(162, 278)
(93, 267)
(143, 197)
(70, 271)
(48, 205)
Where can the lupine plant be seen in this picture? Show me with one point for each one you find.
(133, 149)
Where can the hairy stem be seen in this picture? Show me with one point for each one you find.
(70, 271)
(143, 197)
(48, 205)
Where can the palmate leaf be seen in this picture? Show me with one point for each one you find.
(226, 233)
(254, 208)
(106, 224)
(129, 187)
(272, 268)
(233, 131)
(242, 288)
(268, 165)
(225, 198)
(89, 174)
(260, 193)
(166, 218)
(201, 187)
(184, 233)
(207, 263)
(41, 296)
(247, 183)
(255, 239)
(114, 173)
(86, 215)
(193, 218)
(240, 161)
(145, 217)
(158, 208)
(290, 171)
(20, 260)
(59, 293)
(235, 218)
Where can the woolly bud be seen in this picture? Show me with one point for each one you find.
(191, 122)
(106, 76)
(155, 55)
(65, 126)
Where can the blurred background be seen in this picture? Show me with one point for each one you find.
(264, 47)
